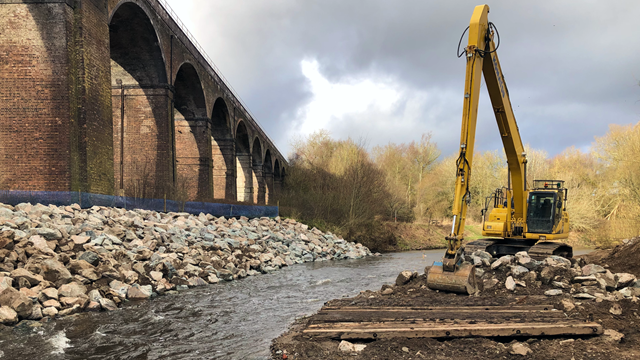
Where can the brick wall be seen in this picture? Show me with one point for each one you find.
(34, 96)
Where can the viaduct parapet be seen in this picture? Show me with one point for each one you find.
(113, 97)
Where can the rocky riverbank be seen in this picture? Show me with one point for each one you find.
(58, 261)
(582, 290)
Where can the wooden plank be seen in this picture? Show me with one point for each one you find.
(450, 330)
(444, 308)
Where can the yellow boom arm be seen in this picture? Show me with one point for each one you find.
(481, 59)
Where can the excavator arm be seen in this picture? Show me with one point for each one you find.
(481, 58)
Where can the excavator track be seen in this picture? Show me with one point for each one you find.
(537, 250)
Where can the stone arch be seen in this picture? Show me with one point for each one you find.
(140, 98)
(223, 152)
(244, 178)
(258, 172)
(192, 137)
(277, 179)
(268, 176)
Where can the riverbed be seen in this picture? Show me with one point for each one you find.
(234, 320)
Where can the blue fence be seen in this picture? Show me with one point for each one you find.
(86, 200)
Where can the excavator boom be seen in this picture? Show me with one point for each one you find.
(482, 58)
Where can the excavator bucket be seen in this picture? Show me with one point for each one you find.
(462, 280)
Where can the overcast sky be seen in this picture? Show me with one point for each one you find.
(386, 71)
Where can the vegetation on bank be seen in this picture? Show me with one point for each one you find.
(399, 196)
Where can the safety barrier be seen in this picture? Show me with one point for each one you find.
(86, 200)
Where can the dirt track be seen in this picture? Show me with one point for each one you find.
(295, 345)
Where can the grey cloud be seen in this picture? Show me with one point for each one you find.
(571, 66)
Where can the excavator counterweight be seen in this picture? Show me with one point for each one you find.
(521, 217)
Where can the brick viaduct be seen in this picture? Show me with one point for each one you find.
(75, 73)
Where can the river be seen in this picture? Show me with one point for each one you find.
(235, 320)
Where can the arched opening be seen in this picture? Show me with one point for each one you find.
(140, 98)
(268, 177)
(192, 137)
(258, 172)
(244, 179)
(277, 179)
(222, 152)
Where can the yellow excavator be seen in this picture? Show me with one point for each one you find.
(521, 218)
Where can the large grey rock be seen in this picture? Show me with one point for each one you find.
(5, 282)
(32, 278)
(558, 262)
(625, 280)
(90, 257)
(55, 272)
(510, 284)
(519, 270)
(108, 305)
(139, 292)
(50, 312)
(546, 275)
(18, 301)
(404, 277)
(521, 349)
(8, 316)
(592, 269)
(49, 234)
(72, 290)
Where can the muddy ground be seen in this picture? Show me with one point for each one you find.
(295, 345)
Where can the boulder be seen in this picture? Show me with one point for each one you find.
(82, 301)
(348, 347)
(49, 234)
(50, 312)
(558, 262)
(108, 305)
(55, 272)
(5, 282)
(17, 301)
(156, 275)
(94, 295)
(625, 280)
(490, 283)
(521, 349)
(213, 279)
(510, 284)
(584, 279)
(404, 277)
(608, 280)
(32, 278)
(121, 288)
(52, 303)
(555, 292)
(613, 336)
(72, 290)
(8, 316)
(519, 270)
(90, 257)
(592, 269)
(75, 266)
(568, 305)
(49, 293)
(74, 310)
(505, 260)
(139, 292)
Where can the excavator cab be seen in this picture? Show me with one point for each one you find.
(546, 210)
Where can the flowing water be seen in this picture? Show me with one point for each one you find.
(235, 320)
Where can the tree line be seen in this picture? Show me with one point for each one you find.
(339, 185)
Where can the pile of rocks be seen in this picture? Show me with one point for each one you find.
(57, 261)
(571, 277)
